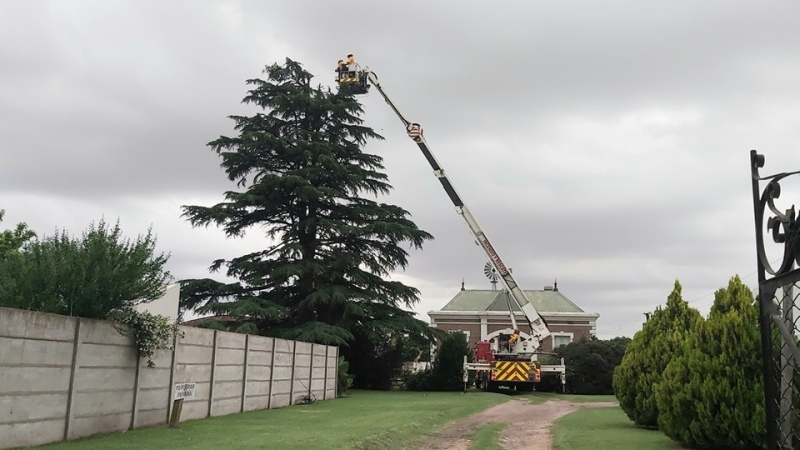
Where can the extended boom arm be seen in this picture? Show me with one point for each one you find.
(539, 329)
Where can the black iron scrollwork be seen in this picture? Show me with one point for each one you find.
(784, 226)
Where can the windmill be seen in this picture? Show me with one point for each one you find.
(491, 274)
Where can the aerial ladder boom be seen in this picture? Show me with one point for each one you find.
(539, 329)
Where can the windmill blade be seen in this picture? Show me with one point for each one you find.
(489, 271)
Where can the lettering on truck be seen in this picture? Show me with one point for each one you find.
(495, 257)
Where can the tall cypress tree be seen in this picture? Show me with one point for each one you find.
(712, 393)
(648, 354)
(322, 276)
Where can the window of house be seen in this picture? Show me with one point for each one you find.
(560, 339)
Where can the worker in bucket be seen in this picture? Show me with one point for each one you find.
(514, 337)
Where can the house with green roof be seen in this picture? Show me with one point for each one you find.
(477, 313)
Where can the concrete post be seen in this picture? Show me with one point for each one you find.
(135, 412)
(311, 370)
(294, 364)
(173, 369)
(71, 393)
(271, 374)
(213, 375)
(336, 368)
(244, 372)
(325, 379)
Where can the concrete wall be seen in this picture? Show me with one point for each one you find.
(65, 378)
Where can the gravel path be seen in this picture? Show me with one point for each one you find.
(528, 429)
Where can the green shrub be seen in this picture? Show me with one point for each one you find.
(590, 366)
(712, 393)
(446, 373)
(343, 378)
(421, 380)
(648, 354)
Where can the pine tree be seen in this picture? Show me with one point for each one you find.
(322, 276)
(648, 354)
(712, 394)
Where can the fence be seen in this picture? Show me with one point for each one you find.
(63, 378)
(778, 308)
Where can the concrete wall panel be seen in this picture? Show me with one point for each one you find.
(194, 354)
(14, 351)
(230, 340)
(32, 325)
(258, 373)
(281, 373)
(260, 343)
(154, 398)
(102, 332)
(149, 418)
(227, 356)
(16, 408)
(34, 379)
(153, 377)
(256, 402)
(283, 346)
(24, 434)
(193, 372)
(280, 400)
(283, 359)
(230, 373)
(106, 423)
(227, 406)
(257, 388)
(197, 336)
(281, 387)
(89, 378)
(225, 389)
(101, 403)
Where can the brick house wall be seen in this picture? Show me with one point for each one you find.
(478, 313)
(473, 330)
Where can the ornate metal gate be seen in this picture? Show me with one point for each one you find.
(778, 293)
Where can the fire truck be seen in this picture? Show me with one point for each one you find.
(507, 357)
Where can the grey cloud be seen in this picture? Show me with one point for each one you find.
(604, 145)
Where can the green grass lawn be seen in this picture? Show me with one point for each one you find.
(606, 428)
(487, 436)
(541, 397)
(365, 420)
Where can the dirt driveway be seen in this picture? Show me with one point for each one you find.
(529, 425)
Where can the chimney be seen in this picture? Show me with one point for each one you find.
(549, 288)
(462, 284)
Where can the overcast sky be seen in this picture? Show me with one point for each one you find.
(602, 144)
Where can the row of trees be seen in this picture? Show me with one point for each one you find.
(699, 380)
